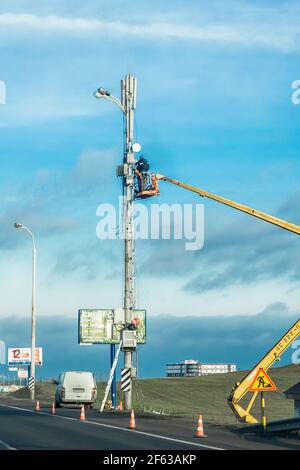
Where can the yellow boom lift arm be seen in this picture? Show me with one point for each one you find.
(241, 207)
(241, 388)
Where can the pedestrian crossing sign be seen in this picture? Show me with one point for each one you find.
(262, 382)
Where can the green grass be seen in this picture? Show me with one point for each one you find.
(187, 397)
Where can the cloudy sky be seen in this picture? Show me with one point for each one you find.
(214, 109)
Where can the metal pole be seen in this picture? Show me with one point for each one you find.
(114, 380)
(263, 414)
(128, 96)
(33, 322)
(127, 105)
(32, 367)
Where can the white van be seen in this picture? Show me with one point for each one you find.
(76, 388)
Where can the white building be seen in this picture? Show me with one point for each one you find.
(192, 368)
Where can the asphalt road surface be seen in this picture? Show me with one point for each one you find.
(22, 428)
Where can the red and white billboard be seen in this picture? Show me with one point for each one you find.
(22, 356)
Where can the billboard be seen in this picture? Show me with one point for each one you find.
(96, 326)
(23, 373)
(22, 356)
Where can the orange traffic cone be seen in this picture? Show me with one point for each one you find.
(200, 430)
(120, 406)
(132, 420)
(82, 414)
(53, 408)
(37, 406)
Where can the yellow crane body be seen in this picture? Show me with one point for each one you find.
(241, 388)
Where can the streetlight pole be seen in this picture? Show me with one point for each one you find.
(33, 319)
(128, 93)
(127, 105)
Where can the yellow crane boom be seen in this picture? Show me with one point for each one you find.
(241, 207)
(241, 388)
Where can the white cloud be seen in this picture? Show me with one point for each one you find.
(273, 34)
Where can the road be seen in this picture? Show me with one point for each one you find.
(22, 428)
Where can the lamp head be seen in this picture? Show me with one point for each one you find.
(101, 92)
(16, 225)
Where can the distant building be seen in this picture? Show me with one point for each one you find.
(192, 368)
(293, 393)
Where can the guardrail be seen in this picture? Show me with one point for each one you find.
(279, 426)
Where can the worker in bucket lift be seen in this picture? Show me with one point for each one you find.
(146, 183)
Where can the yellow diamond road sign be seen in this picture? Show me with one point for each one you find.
(262, 382)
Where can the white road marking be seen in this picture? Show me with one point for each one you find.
(116, 427)
(6, 446)
(156, 435)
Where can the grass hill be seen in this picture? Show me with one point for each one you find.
(189, 396)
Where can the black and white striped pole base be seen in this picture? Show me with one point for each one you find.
(126, 380)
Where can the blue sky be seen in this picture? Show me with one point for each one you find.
(214, 109)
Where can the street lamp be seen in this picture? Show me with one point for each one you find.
(33, 326)
(102, 93)
(127, 105)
